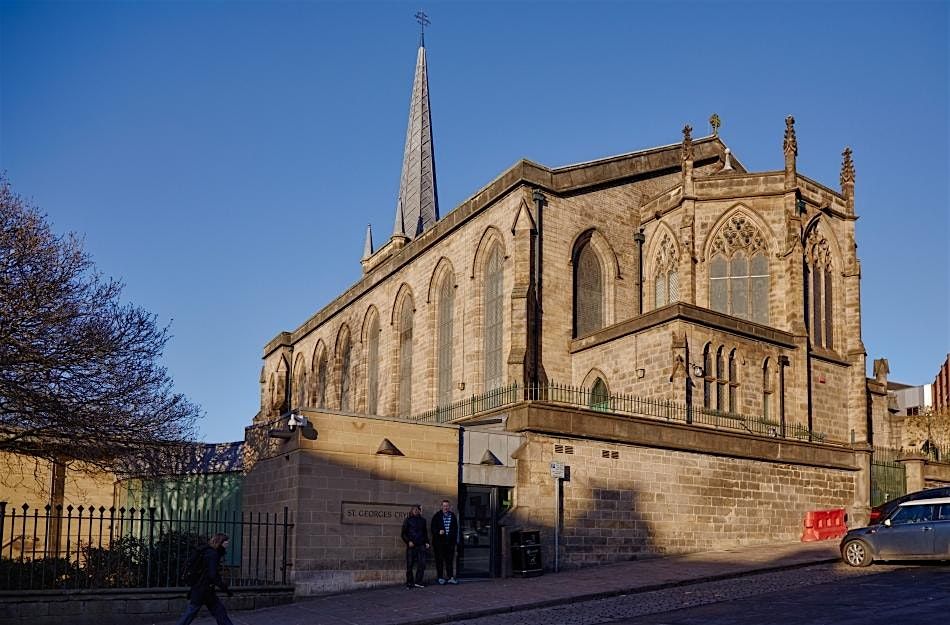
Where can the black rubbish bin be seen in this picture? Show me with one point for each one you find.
(526, 553)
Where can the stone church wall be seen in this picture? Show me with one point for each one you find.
(637, 501)
(349, 501)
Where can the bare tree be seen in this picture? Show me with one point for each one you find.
(928, 431)
(80, 377)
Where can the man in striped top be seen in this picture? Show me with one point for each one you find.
(445, 539)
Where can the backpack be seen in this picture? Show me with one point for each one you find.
(194, 567)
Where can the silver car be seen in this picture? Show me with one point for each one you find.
(916, 530)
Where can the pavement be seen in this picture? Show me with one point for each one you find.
(476, 598)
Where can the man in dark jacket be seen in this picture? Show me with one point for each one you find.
(445, 538)
(416, 537)
(202, 591)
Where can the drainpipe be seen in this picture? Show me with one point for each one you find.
(639, 239)
(782, 363)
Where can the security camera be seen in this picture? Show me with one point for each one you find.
(295, 421)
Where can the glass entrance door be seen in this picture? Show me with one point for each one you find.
(481, 507)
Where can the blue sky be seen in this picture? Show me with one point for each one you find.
(223, 159)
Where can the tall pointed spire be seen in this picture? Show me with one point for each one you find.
(418, 197)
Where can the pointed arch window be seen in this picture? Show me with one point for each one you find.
(733, 382)
(588, 291)
(444, 365)
(599, 398)
(707, 377)
(666, 283)
(345, 375)
(493, 320)
(720, 380)
(300, 384)
(405, 358)
(320, 391)
(819, 291)
(372, 366)
(766, 390)
(739, 280)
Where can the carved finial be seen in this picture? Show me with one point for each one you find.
(847, 168)
(687, 143)
(368, 243)
(791, 143)
(715, 123)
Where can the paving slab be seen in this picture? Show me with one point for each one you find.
(397, 605)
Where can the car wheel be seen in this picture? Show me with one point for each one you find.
(856, 553)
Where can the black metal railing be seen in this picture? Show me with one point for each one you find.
(621, 404)
(89, 547)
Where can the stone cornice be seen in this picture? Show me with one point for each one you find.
(830, 356)
(688, 313)
(557, 420)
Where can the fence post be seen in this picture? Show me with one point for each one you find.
(283, 563)
(151, 545)
(3, 516)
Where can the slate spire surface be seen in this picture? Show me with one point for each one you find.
(418, 199)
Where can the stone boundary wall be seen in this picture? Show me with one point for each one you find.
(122, 606)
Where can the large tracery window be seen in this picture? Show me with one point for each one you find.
(446, 310)
(588, 291)
(739, 271)
(494, 306)
(372, 366)
(819, 291)
(405, 358)
(666, 282)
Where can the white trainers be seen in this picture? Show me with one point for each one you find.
(452, 580)
(441, 582)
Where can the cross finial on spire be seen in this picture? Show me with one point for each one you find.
(791, 143)
(687, 150)
(715, 123)
(424, 21)
(847, 168)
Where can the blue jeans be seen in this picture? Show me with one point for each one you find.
(215, 606)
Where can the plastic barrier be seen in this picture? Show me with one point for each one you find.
(824, 524)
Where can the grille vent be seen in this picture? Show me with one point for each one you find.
(606, 453)
(564, 449)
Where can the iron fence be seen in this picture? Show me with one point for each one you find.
(621, 404)
(888, 476)
(88, 547)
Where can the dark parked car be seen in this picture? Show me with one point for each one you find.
(916, 530)
(884, 510)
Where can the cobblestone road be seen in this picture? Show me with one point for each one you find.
(821, 594)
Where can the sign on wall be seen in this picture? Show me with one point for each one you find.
(370, 513)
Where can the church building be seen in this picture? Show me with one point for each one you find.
(677, 336)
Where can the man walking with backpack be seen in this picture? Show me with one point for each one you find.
(205, 571)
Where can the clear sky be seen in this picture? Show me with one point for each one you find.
(223, 159)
